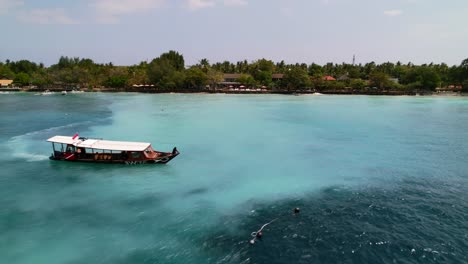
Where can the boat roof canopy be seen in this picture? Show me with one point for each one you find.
(101, 144)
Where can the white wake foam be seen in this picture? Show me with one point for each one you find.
(30, 157)
(26, 147)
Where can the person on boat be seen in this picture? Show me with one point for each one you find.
(124, 155)
(70, 148)
(80, 152)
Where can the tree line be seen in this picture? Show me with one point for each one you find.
(168, 72)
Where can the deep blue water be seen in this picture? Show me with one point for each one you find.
(378, 180)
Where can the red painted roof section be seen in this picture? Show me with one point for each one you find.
(328, 78)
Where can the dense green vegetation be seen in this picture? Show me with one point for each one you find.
(168, 72)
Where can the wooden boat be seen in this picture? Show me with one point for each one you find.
(76, 91)
(106, 151)
(47, 92)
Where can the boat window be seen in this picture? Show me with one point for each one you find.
(136, 155)
(70, 148)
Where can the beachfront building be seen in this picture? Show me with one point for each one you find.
(4, 83)
(143, 85)
(231, 77)
(449, 89)
(343, 78)
(236, 82)
(277, 77)
(229, 81)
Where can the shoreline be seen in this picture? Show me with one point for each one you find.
(283, 92)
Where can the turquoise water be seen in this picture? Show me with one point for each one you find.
(378, 180)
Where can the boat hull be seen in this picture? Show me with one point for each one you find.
(163, 158)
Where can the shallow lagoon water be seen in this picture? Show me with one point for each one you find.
(378, 179)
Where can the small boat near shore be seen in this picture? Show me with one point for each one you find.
(46, 92)
(76, 91)
(105, 151)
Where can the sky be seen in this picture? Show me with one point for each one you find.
(126, 32)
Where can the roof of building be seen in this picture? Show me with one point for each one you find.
(5, 82)
(343, 77)
(229, 83)
(277, 76)
(328, 78)
(232, 76)
(101, 144)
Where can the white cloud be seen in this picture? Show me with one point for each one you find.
(236, 2)
(198, 4)
(108, 11)
(6, 5)
(46, 16)
(392, 13)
